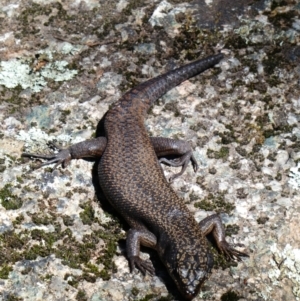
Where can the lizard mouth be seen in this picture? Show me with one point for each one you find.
(190, 295)
(190, 291)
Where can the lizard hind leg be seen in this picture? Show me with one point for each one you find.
(63, 158)
(179, 148)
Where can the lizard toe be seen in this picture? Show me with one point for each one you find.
(230, 253)
(142, 265)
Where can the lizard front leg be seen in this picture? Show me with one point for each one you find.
(136, 238)
(92, 148)
(213, 224)
(171, 147)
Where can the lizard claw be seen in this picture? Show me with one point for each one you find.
(63, 158)
(194, 163)
(54, 146)
(182, 161)
(142, 265)
(230, 253)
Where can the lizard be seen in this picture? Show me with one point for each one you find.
(132, 180)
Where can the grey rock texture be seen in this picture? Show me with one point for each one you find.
(63, 63)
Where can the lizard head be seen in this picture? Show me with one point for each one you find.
(189, 268)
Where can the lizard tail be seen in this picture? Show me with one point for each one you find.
(158, 86)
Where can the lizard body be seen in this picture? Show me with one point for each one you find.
(133, 182)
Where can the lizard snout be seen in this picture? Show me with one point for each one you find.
(192, 270)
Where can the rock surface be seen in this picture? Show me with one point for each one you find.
(63, 63)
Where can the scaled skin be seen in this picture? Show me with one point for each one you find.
(133, 182)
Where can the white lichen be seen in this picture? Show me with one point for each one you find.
(294, 175)
(40, 139)
(19, 72)
(165, 15)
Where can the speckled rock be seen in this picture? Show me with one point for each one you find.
(63, 63)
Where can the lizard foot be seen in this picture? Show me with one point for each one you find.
(182, 161)
(63, 157)
(142, 265)
(229, 252)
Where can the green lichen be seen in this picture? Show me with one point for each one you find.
(20, 180)
(68, 220)
(227, 137)
(32, 11)
(223, 153)
(147, 297)
(81, 296)
(14, 247)
(63, 115)
(41, 219)
(8, 200)
(11, 245)
(215, 202)
(37, 250)
(72, 280)
(135, 291)
(88, 214)
(107, 255)
(19, 219)
(192, 39)
(278, 177)
(78, 255)
(231, 230)
(48, 238)
(4, 271)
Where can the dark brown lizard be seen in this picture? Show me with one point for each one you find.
(133, 182)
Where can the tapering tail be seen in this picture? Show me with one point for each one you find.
(158, 86)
